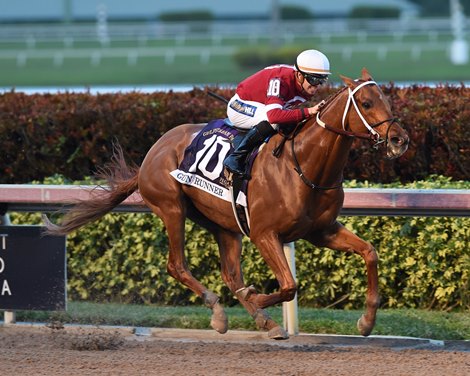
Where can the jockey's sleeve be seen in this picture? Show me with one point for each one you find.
(278, 115)
(279, 104)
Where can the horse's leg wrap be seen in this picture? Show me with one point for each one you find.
(261, 318)
(245, 292)
(264, 321)
(210, 299)
(219, 321)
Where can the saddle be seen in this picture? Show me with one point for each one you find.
(202, 167)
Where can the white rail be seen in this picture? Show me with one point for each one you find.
(357, 201)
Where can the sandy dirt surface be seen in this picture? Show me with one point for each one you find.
(26, 350)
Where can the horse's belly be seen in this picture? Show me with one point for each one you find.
(211, 207)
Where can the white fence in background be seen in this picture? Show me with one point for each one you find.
(26, 42)
(221, 29)
(204, 54)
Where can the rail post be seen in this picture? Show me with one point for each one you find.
(290, 309)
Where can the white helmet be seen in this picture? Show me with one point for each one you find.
(313, 62)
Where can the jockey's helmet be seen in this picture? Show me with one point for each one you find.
(313, 62)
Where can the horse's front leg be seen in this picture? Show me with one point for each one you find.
(230, 246)
(271, 249)
(341, 239)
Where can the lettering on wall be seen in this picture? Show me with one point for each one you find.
(4, 286)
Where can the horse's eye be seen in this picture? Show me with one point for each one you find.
(366, 105)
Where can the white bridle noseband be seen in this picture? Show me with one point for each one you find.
(353, 101)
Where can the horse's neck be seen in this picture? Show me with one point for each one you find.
(325, 151)
(332, 113)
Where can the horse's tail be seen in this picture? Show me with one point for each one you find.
(121, 182)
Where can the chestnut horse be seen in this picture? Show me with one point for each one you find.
(304, 184)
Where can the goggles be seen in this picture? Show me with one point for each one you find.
(315, 79)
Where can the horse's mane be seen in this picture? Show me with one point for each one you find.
(292, 129)
(330, 99)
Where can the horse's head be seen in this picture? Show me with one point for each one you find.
(367, 113)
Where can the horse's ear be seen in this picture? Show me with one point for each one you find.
(366, 75)
(349, 81)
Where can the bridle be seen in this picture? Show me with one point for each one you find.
(372, 134)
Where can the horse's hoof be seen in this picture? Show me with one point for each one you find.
(364, 327)
(278, 333)
(219, 321)
(219, 326)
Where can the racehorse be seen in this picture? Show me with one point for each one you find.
(304, 183)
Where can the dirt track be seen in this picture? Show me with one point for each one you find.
(85, 351)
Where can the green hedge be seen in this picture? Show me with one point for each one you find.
(72, 134)
(424, 262)
(374, 12)
(295, 12)
(187, 16)
(257, 58)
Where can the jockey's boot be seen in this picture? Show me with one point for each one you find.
(235, 162)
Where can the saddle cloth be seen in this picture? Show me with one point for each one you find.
(202, 165)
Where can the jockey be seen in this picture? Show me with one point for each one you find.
(264, 101)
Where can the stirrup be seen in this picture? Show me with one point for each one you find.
(231, 175)
(233, 172)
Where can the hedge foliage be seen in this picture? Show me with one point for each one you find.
(187, 16)
(369, 12)
(424, 262)
(72, 134)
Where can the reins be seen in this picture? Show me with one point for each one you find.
(291, 137)
(307, 181)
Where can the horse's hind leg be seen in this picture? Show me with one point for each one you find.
(174, 217)
(230, 253)
(342, 239)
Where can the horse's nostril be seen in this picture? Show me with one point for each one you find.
(399, 141)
